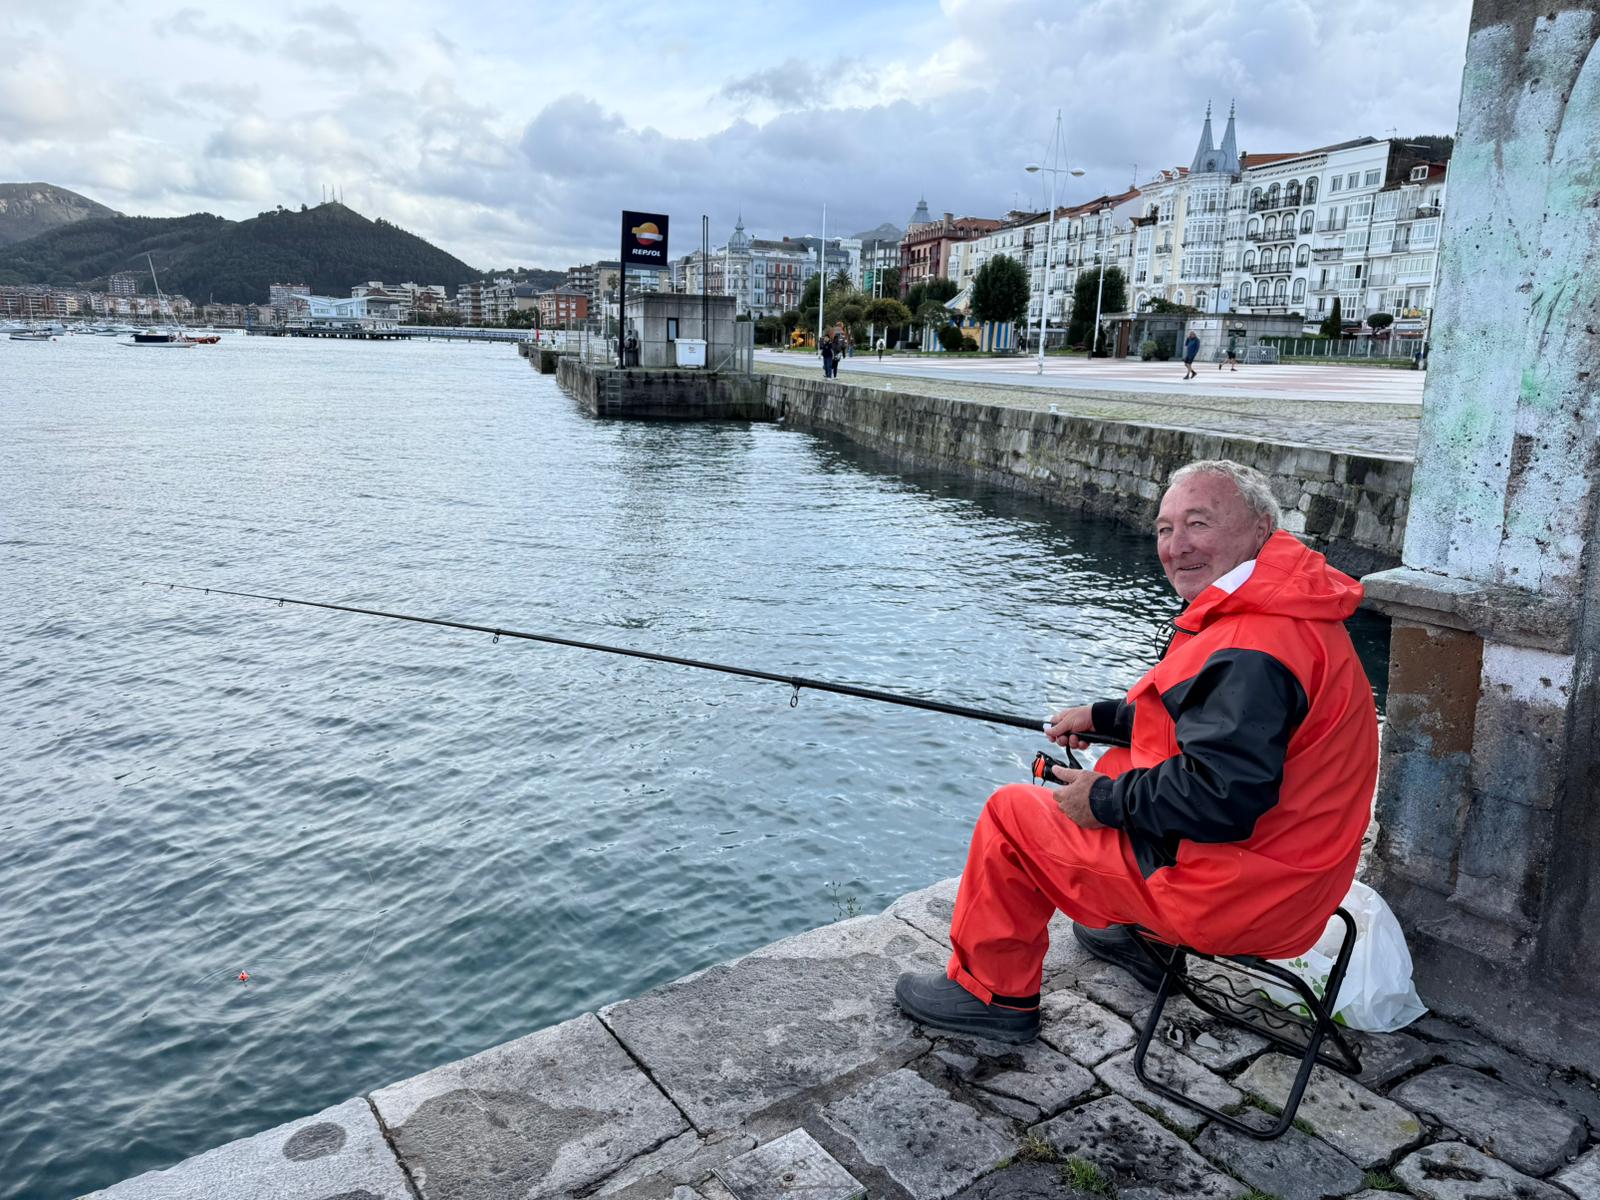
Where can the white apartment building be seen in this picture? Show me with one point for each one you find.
(1359, 220)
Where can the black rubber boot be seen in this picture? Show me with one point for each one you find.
(1117, 946)
(939, 1003)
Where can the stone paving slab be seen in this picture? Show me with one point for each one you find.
(735, 1040)
(1025, 1181)
(1034, 1073)
(1135, 1153)
(1582, 1178)
(1177, 1071)
(1293, 1167)
(929, 1144)
(1115, 989)
(683, 1160)
(545, 1115)
(1385, 1057)
(1211, 1042)
(791, 1167)
(338, 1152)
(1361, 1124)
(1082, 1029)
(1453, 1171)
(1510, 1124)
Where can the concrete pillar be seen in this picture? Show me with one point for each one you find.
(1489, 794)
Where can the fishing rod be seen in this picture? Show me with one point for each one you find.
(797, 682)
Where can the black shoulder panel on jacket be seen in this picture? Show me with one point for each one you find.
(1233, 722)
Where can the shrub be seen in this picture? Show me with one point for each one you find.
(1148, 349)
(950, 338)
(969, 344)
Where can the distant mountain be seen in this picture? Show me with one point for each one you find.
(29, 209)
(208, 258)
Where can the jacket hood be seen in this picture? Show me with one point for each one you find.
(1290, 580)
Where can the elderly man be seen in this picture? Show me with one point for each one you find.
(1233, 822)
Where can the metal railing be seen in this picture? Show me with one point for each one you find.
(1358, 348)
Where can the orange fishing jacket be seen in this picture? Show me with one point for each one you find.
(1248, 785)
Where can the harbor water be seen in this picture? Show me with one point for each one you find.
(417, 843)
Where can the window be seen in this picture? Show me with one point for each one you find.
(1371, 179)
(1299, 291)
(1425, 231)
(1244, 292)
(1311, 190)
(1271, 227)
(1351, 180)
(1249, 260)
(1283, 258)
(1280, 292)
(1255, 227)
(672, 329)
(1418, 173)
(1302, 256)
(1307, 219)
(1335, 184)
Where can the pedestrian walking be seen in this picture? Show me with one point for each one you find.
(1191, 351)
(1233, 357)
(880, 349)
(827, 358)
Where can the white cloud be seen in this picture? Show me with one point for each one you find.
(513, 134)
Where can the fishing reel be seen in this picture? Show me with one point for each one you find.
(1043, 764)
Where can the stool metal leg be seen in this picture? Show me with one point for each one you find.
(1271, 1021)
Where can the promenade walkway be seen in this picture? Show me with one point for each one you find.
(789, 1073)
(1361, 409)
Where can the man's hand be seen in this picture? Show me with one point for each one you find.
(1072, 797)
(1071, 721)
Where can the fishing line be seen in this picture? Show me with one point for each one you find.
(795, 682)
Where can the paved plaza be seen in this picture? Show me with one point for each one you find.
(1364, 410)
(1290, 381)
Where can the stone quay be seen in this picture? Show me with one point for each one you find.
(789, 1073)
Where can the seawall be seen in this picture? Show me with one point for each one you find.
(664, 395)
(1350, 505)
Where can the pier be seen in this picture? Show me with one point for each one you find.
(443, 333)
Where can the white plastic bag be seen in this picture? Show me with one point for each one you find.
(1377, 994)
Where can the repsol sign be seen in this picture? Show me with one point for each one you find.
(644, 239)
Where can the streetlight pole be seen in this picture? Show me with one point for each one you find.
(1100, 286)
(822, 278)
(1050, 231)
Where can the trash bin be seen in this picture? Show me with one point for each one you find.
(691, 352)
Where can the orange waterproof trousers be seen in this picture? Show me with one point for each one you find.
(1027, 860)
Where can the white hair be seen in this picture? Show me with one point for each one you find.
(1252, 484)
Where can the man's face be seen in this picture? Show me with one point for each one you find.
(1204, 530)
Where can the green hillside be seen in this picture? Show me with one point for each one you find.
(207, 258)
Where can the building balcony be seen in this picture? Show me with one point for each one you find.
(1290, 200)
(1328, 254)
(1281, 235)
(1420, 212)
(1332, 225)
(1270, 269)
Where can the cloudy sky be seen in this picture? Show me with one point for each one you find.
(512, 133)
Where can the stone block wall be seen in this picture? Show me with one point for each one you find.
(648, 395)
(1350, 506)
